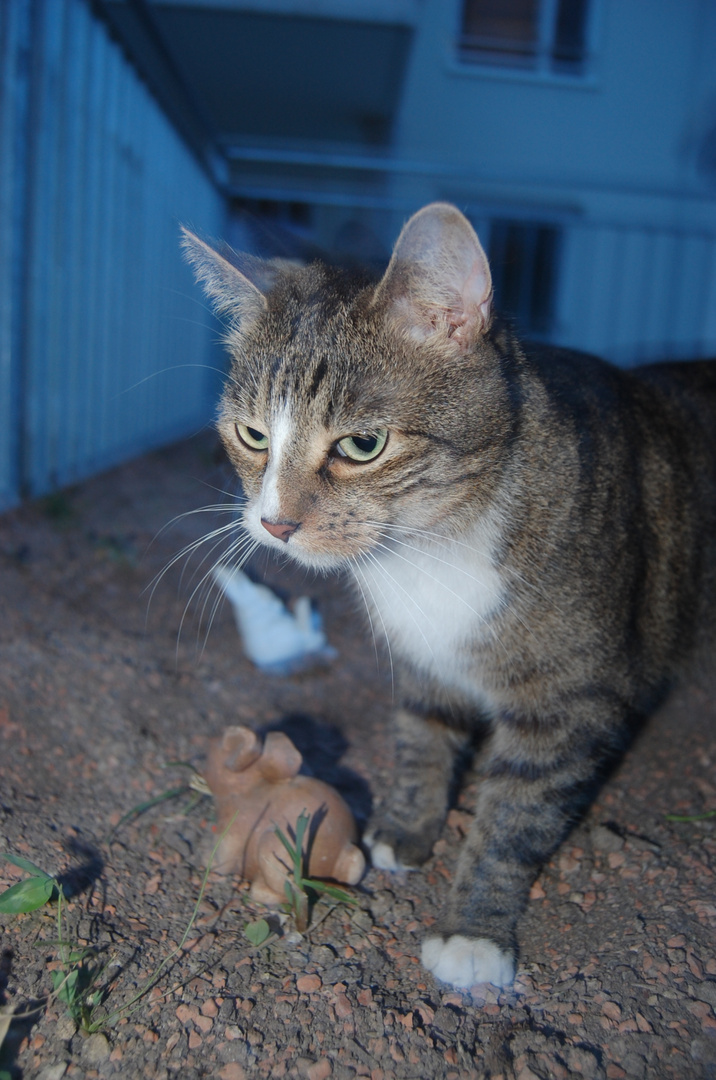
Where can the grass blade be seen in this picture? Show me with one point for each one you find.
(330, 890)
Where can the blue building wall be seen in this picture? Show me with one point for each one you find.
(105, 347)
(608, 156)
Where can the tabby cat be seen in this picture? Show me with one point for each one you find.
(531, 530)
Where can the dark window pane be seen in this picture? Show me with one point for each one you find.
(508, 32)
(523, 259)
(568, 51)
(503, 30)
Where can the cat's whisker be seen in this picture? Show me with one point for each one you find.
(217, 535)
(186, 552)
(395, 585)
(243, 546)
(217, 508)
(244, 556)
(382, 620)
(238, 497)
(460, 570)
(164, 371)
(447, 541)
(354, 569)
(445, 562)
(481, 618)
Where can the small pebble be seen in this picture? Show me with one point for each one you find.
(96, 1048)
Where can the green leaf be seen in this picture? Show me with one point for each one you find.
(296, 851)
(64, 984)
(257, 932)
(27, 895)
(330, 890)
(24, 864)
(303, 819)
(286, 843)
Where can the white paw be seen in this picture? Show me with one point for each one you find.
(382, 855)
(464, 961)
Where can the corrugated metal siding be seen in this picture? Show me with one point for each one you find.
(634, 293)
(104, 343)
(13, 31)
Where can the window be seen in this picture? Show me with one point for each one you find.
(535, 35)
(524, 260)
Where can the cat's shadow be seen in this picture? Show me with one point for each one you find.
(321, 746)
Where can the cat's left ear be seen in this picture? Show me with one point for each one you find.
(438, 283)
(235, 283)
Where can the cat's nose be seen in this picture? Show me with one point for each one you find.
(280, 529)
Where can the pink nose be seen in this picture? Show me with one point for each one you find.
(280, 529)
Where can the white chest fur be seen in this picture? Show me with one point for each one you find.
(433, 604)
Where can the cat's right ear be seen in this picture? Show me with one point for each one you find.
(234, 283)
(438, 285)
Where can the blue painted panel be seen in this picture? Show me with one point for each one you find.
(104, 339)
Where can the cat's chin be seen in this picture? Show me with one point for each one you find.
(318, 561)
(463, 961)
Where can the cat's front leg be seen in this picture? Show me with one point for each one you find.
(536, 780)
(402, 834)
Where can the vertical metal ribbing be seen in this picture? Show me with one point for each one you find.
(93, 183)
(13, 90)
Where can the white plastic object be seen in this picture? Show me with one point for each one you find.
(274, 638)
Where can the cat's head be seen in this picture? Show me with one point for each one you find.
(353, 408)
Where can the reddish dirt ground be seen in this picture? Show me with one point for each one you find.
(617, 966)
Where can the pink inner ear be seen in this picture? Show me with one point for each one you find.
(438, 280)
(477, 291)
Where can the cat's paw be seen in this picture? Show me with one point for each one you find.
(463, 961)
(382, 855)
(393, 847)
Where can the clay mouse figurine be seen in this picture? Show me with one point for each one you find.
(259, 784)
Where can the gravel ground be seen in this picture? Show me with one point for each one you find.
(617, 970)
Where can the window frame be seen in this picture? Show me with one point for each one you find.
(459, 62)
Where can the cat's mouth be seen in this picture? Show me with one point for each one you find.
(314, 545)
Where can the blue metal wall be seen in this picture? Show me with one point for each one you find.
(98, 314)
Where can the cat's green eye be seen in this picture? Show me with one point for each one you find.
(255, 440)
(363, 446)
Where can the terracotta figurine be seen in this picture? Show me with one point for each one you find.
(260, 785)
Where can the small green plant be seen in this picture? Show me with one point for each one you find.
(691, 817)
(258, 931)
(31, 893)
(196, 787)
(75, 982)
(299, 888)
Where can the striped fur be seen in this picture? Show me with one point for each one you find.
(535, 541)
